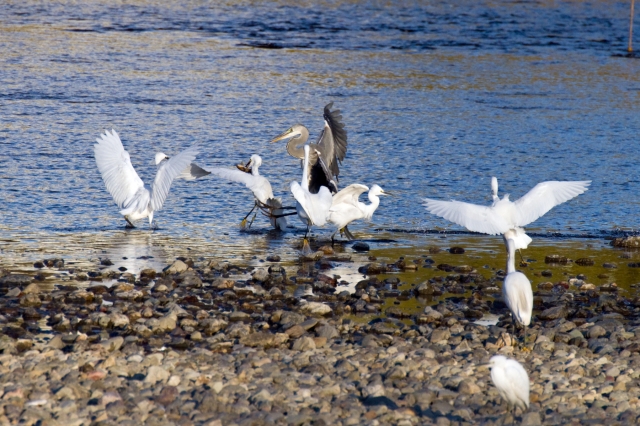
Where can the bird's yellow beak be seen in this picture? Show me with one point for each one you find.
(286, 134)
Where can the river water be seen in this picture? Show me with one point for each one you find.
(437, 97)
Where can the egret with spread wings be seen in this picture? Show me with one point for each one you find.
(125, 186)
(264, 200)
(504, 215)
(346, 207)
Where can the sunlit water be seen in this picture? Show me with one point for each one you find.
(436, 99)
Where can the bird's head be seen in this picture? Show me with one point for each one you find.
(256, 161)
(160, 157)
(496, 361)
(376, 190)
(292, 132)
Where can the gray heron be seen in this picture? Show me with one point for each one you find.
(125, 186)
(504, 215)
(250, 176)
(346, 207)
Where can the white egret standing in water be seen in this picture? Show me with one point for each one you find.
(504, 215)
(312, 208)
(511, 380)
(125, 186)
(261, 188)
(516, 288)
(346, 207)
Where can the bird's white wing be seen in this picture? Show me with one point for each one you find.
(167, 172)
(114, 164)
(471, 216)
(545, 196)
(259, 185)
(193, 172)
(519, 380)
(315, 205)
(349, 194)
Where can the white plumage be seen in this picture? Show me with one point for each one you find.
(259, 185)
(125, 186)
(346, 206)
(516, 289)
(504, 215)
(312, 208)
(511, 380)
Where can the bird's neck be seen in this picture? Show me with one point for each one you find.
(305, 169)
(371, 208)
(295, 145)
(511, 255)
(254, 170)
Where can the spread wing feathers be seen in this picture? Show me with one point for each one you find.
(332, 142)
(319, 174)
(167, 172)
(259, 185)
(316, 206)
(473, 217)
(350, 194)
(544, 196)
(193, 172)
(114, 164)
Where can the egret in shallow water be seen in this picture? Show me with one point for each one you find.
(249, 175)
(329, 150)
(516, 288)
(504, 215)
(511, 380)
(346, 207)
(312, 209)
(125, 186)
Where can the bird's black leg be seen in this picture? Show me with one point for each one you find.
(243, 224)
(129, 224)
(305, 243)
(348, 233)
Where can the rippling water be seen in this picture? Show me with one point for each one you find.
(437, 97)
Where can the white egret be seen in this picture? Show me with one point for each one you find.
(511, 380)
(516, 288)
(329, 150)
(504, 215)
(191, 172)
(261, 188)
(125, 186)
(346, 207)
(312, 208)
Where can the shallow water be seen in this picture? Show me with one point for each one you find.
(436, 98)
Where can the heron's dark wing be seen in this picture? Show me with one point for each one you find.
(332, 142)
(319, 174)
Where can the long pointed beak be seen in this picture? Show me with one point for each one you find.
(248, 164)
(286, 134)
(390, 194)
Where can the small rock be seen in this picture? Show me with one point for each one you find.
(148, 273)
(555, 258)
(113, 344)
(15, 280)
(260, 275)
(176, 267)
(327, 331)
(316, 308)
(304, 344)
(30, 300)
(468, 387)
(273, 258)
(456, 250)
(168, 394)
(156, 374)
(585, 261)
(166, 323)
(553, 313)
(531, 418)
(32, 288)
(360, 246)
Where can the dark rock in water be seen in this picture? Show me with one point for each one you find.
(54, 263)
(445, 267)
(585, 261)
(260, 275)
(634, 265)
(122, 269)
(456, 250)
(626, 242)
(555, 258)
(372, 268)
(553, 313)
(609, 265)
(360, 246)
(546, 273)
(106, 262)
(38, 264)
(434, 250)
(15, 280)
(145, 273)
(396, 312)
(463, 269)
(30, 300)
(273, 258)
